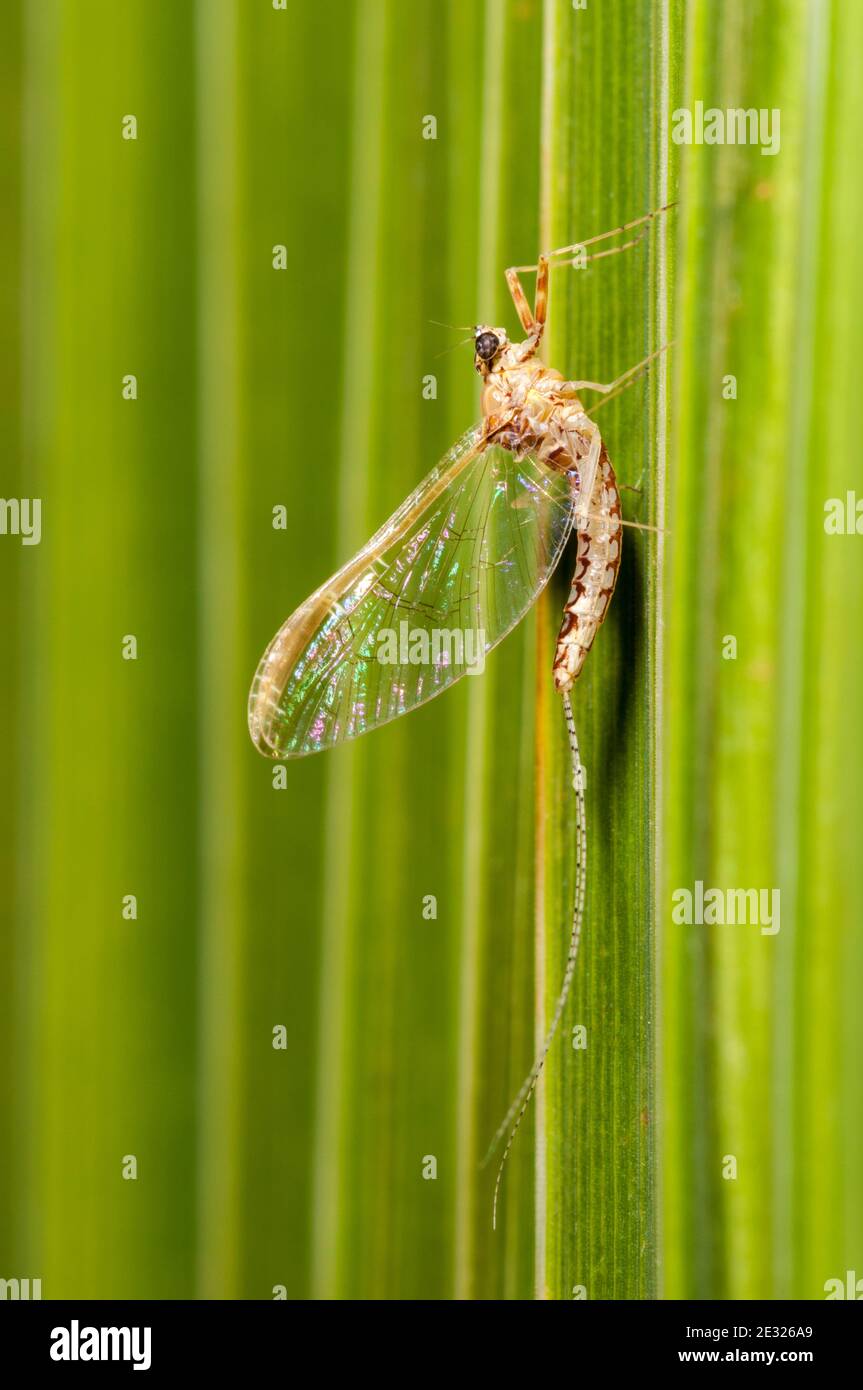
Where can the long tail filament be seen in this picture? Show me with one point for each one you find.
(512, 1119)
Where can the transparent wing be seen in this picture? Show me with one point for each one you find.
(444, 579)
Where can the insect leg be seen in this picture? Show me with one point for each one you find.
(579, 259)
(532, 323)
(541, 294)
(535, 322)
(578, 246)
(572, 388)
(519, 299)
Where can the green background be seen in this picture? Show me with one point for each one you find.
(302, 127)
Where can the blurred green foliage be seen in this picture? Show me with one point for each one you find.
(764, 759)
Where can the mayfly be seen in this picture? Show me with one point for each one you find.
(466, 555)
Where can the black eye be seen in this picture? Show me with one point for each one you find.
(487, 345)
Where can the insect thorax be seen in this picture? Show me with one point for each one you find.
(535, 419)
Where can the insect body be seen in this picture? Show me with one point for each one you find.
(466, 554)
(534, 411)
(465, 557)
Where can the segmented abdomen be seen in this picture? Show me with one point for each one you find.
(599, 541)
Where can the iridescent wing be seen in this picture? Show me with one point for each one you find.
(441, 583)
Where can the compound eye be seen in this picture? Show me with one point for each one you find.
(487, 345)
